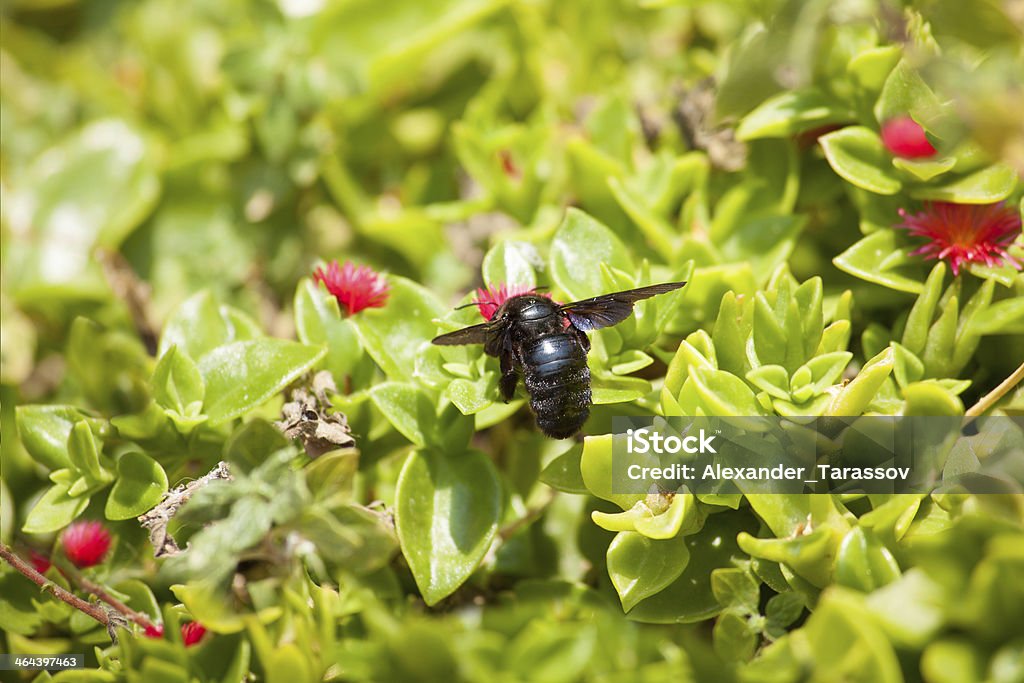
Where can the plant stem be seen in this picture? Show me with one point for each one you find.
(75, 577)
(532, 514)
(29, 572)
(990, 399)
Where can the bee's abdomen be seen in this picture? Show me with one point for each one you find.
(558, 381)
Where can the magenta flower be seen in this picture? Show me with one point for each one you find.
(489, 300)
(965, 233)
(192, 633)
(85, 543)
(355, 287)
(154, 631)
(904, 137)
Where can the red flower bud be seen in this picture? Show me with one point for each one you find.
(40, 562)
(192, 633)
(904, 137)
(156, 631)
(85, 543)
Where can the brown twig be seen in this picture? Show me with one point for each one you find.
(132, 291)
(990, 399)
(156, 520)
(29, 572)
(75, 577)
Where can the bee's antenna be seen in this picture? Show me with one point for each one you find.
(539, 288)
(470, 304)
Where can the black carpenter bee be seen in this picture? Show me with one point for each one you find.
(547, 343)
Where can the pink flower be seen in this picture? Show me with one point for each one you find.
(965, 233)
(85, 543)
(192, 633)
(40, 562)
(904, 137)
(489, 300)
(156, 631)
(355, 287)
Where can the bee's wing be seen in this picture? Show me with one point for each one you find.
(476, 334)
(611, 309)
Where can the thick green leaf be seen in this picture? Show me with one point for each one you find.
(564, 474)
(856, 153)
(864, 563)
(243, 375)
(44, 431)
(791, 112)
(176, 381)
(870, 68)
(196, 327)
(511, 262)
(735, 638)
(826, 369)
(286, 664)
(318, 321)
(924, 169)
(111, 367)
(984, 186)
(84, 452)
(689, 598)
(640, 567)
(922, 313)
(854, 398)
(579, 246)
(872, 259)
(909, 608)
(407, 408)
(736, 589)
(1002, 317)
(140, 485)
(906, 94)
(723, 393)
(596, 467)
(447, 514)
(771, 378)
(393, 335)
(470, 396)
(55, 510)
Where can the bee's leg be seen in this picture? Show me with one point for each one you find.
(509, 377)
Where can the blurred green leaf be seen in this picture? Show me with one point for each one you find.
(90, 190)
(791, 112)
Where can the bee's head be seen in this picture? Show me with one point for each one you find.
(526, 307)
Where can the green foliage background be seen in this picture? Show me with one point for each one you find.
(219, 150)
